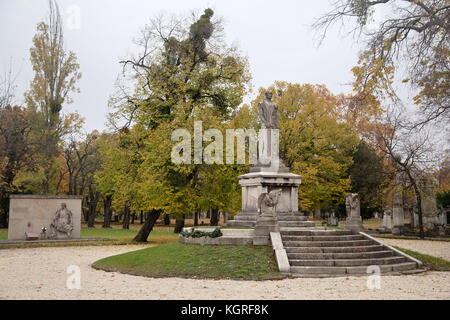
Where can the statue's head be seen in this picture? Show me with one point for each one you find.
(269, 95)
(63, 205)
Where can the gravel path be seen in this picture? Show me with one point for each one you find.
(439, 249)
(40, 273)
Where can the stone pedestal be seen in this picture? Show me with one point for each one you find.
(354, 224)
(264, 226)
(255, 183)
(398, 214)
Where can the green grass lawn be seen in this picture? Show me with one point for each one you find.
(193, 261)
(3, 234)
(432, 263)
(159, 235)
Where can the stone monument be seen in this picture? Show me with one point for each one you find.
(269, 174)
(397, 212)
(429, 206)
(354, 220)
(267, 221)
(333, 221)
(387, 220)
(57, 217)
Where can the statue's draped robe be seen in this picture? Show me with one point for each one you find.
(63, 221)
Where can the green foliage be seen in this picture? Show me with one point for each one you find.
(15, 150)
(56, 75)
(188, 76)
(201, 262)
(200, 234)
(443, 199)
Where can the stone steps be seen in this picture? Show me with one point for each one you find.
(316, 232)
(320, 253)
(303, 224)
(291, 218)
(323, 238)
(328, 244)
(369, 248)
(247, 217)
(302, 271)
(348, 262)
(349, 255)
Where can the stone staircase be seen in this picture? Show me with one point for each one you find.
(285, 219)
(317, 253)
(292, 220)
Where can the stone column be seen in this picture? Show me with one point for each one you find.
(398, 214)
(244, 198)
(294, 199)
(429, 206)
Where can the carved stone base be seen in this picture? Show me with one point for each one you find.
(354, 224)
(264, 226)
(256, 183)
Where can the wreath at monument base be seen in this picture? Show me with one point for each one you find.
(200, 234)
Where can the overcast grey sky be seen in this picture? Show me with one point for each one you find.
(275, 35)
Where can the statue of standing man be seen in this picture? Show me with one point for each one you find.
(268, 112)
(268, 115)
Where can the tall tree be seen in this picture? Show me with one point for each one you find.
(15, 153)
(411, 153)
(185, 72)
(56, 74)
(415, 34)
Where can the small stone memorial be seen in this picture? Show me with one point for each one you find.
(44, 217)
(333, 221)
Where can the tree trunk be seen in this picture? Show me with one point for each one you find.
(4, 211)
(92, 206)
(317, 214)
(167, 220)
(179, 224)
(107, 211)
(141, 217)
(144, 232)
(196, 214)
(85, 209)
(419, 210)
(133, 217)
(214, 221)
(126, 218)
(3, 220)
